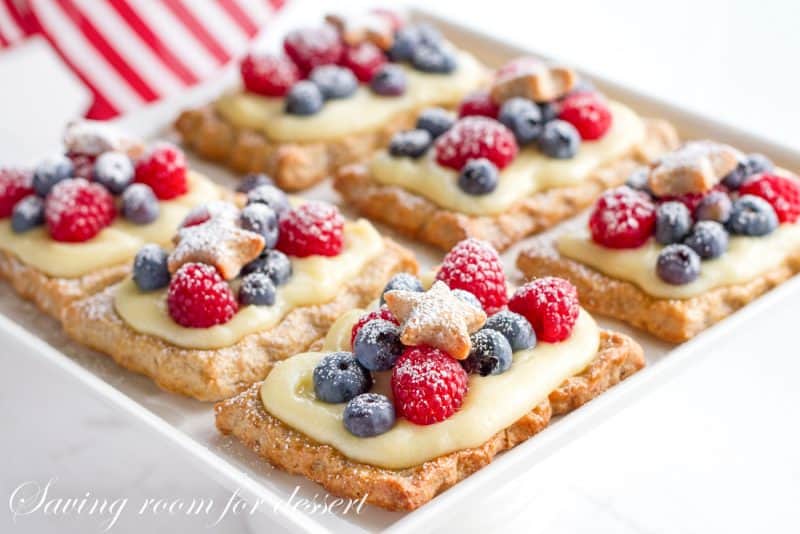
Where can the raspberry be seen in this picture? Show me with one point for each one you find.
(551, 306)
(164, 170)
(14, 186)
(311, 47)
(475, 266)
(76, 210)
(473, 138)
(478, 103)
(268, 75)
(198, 297)
(692, 200)
(428, 385)
(381, 313)
(83, 164)
(312, 228)
(622, 218)
(364, 60)
(588, 113)
(781, 192)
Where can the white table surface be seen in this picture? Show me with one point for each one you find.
(713, 450)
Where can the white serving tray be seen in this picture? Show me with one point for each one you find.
(190, 424)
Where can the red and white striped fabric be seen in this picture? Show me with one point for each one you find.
(132, 52)
(16, 22)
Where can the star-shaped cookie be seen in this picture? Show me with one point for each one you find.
(696, 167)
(436, 318)
(533, 79)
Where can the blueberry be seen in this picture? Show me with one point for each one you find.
(478, 177)
(709, 239)
(433, 58)
(50, 171)
(257, 289)
(251, 181)
(523, 117)
(734, 179)
(673, 222)
(274, 264)
(150, 268)
(304, 98)
(753, 216)
(114, 171)
(261, 219)
(639, 179)
(338, 377)
(678, 264)
(516, 329)
(334, 81)
(404, 44)
(715, 206)
(377, 345)
(28, 213)
(411, 144)
(390, 80)
(271, 196)
(369, 414)
(428, 34)
(404, 282)
(139, 204)
(465, 296)
(490, 355)
(435, 121)
(757, 163)
(559, 140)
(549, 110)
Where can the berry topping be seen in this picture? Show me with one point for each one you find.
(257, 289)
(28, 213)
(673, 222)
(758, 163)
(311, 47)
(476, 137)
(479, 103)
(150, 268)
(364, 60)
(715, 206)
(402, 281)
(274, 264)
(475, 266)
(678, 265)
(334, 81)
(50, 171)
(782, 192)
(622, 218)
(14, 186)
(435, 121)
(268, 75)
(410, 144)
(76, 210)
(139, 204)
(478, 177)
(271, 196)
(468, 298)
(428, 385)
(261, 219)
(114, 171)
(559, 140)
(389, 80)
(490, 355)
(369, 414)
(304, 98)
(433, 58)
(198, 297)
(753, 216)
(734, 179)
(382, 313)
(516, 329)
(523, 117)
(310, 229)
(251, 181)
(588, 113)
(639, 178)
(338, 377)
(164, 170)
(377, 345)
(709, 239)
(204, 212)
(551, 306)
(411, 37)
(82, 165)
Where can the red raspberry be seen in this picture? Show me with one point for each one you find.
(475, 266)
(83, 164)
(782, 192)
(622, 218)
(381, 313)
(76, 210)
(268, 75)
(428, 385)
(164, 170)
(476, 137)
(551, 306)
(588, 113)
(198, 297)
(311, 47)
(312, 228)
(692, 200)
(478, 103)
(364, 60)
(14, 186)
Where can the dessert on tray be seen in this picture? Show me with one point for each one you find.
(693, 237)
(537, 147)
(240, 290)
(70, 227)
(406, 400)
(339, 93)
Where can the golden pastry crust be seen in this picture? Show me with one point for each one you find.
(674, 320)
(211, 375)
(423, 220)
(245, 418)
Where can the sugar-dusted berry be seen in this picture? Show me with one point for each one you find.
(198, 297)
(164, 169)
(268, 75)
(77, 210)
(311, 47)
(588, 113)
(478, 103)
(622, 218)
(15, 185)
(550, 304)
(476, 137)
(475, 266)
(313, 228)
(782, 192)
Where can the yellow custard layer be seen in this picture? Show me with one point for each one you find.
(364, 111)
(315, 280)
(530, 172)
(492, 402)
(113, 245)
(746, 259)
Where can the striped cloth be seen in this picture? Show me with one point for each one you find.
(132, 52)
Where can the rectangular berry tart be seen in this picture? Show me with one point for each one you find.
(240, 290)
(340, 92)
(535, 149)
(71, 226)
(692, 238)
(403, 402)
